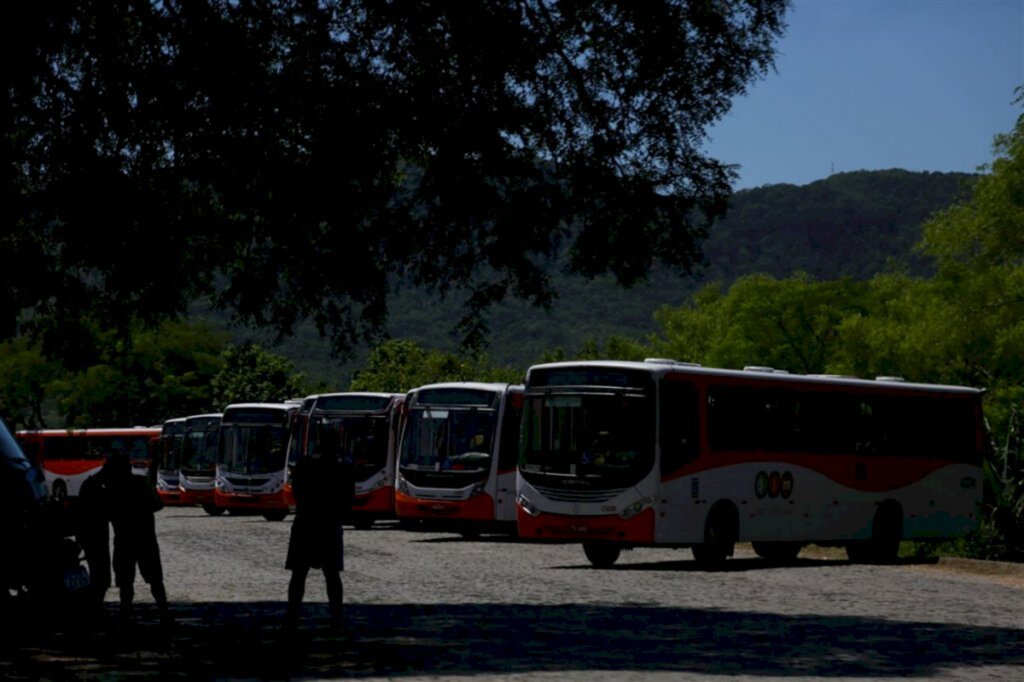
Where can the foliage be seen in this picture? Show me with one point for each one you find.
(26, 375)
(251, 374)
(614, 348)
(399, 365)
(287, 158)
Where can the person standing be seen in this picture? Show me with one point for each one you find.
(320, 483)
(93, 533)
(132, 503)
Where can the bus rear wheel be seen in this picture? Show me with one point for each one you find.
(275, 515)
(213, 510)
(601, 554)
(886, 534)
(777, 552)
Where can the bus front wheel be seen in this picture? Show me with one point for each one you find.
(213, 510)
(275, 515)
(720, 532)
(600, 554)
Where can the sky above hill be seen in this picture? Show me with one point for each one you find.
(923, 85)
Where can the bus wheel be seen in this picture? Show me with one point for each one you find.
(59, 491)
(720, 532)
(363, 524)
(601, 554)
(777, 552)
(886, 534)
(213, 510)
(275, 515)
(471, 534)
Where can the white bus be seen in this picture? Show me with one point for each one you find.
(172, 443)
(618, 455)
(199, 461)
(252, 459)
(457, 457)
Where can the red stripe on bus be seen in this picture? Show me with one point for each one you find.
(72, 467)
(477, 508)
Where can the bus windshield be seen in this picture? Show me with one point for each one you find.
(606, 439)
(449, 439)
(200, 451)
(253, 448)
(363, 439)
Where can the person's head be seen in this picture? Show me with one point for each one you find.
(118, 465)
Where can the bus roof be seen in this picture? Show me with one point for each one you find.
(283, 407)
(474, 385)
(110, 431)
(661, 367)
(216, 415)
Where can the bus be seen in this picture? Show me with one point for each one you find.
(616, 455)
(252, 459)
(69, 456)
(368, 425)
(297, 433)
(168, 471)
(457, 457)
(199, 461)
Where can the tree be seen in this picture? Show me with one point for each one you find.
(27, 374)
(399, 365)
(250, 374)
(291, 159)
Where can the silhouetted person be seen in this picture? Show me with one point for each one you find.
(132, 503)
(93, 532)
(320, 483)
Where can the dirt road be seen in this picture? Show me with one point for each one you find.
(433, 606)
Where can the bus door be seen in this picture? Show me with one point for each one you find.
(508, 455)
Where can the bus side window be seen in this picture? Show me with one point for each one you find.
(679, 425)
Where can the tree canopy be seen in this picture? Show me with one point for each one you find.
(293, 159)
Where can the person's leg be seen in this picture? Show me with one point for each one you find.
(334, 596)
(296, 590)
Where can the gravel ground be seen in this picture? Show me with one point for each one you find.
(434, 606)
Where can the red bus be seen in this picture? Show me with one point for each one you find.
(198, 466)
(618, 455)
(457, 458)
(69, 456)
(252, 459)
(168, 471)
(368, 426)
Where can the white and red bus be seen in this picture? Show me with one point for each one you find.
(199, 461)
(252, 459)
(618, 455)
(69, 456)
(368, 429)
(457, 458)
(168, 471)
(297, 435)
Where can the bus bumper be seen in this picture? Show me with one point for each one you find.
(254, 501)
(196, 497)
(545, 526)
(477, 508)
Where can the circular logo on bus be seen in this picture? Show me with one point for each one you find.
(787, 485)
(761, 485)
(774, 485)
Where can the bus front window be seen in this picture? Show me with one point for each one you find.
(604, 439)
(449, 440)
(253, 449)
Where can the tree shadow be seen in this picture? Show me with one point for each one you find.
(246, 640)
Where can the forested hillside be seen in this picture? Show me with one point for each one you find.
(848, 225)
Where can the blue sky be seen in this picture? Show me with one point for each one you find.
(870, 84)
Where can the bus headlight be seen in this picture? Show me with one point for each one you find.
(635, 508)
(401, 485)
(527, 505)
(476, 489)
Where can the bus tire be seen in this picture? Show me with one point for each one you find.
(59, 492)
(213, 510)
(275, 514)
(720, 532)
(886, 535)
(363, 524)
(601, 554)
(777, 552)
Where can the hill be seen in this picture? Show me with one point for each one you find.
(847, 225)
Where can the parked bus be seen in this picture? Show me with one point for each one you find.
(69, 456)
(297, 433)
(252, 459)
(618, 455)
(457, 458)
(168, 472)
(199, 461)
(367, 424)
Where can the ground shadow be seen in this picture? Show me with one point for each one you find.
(734, 565)
(245, 640)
